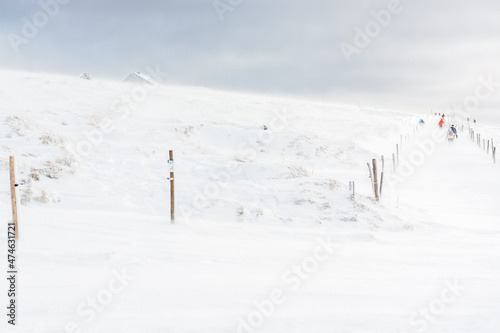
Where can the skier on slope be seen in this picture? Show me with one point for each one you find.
(441, 122)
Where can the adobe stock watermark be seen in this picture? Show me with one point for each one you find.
(292, 279)
(247, 151)
(427, 315)
(417, 157)
(30, 27)
(126, 104)
(223, 6)
(426, 147)
(471, 103)
(92, 306)
(371, 30)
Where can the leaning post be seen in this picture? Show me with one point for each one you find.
(172, 193)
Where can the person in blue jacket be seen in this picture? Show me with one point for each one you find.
(454, 130)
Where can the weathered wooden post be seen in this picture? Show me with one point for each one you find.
(352, 189)
(488, 148)
(370, 173)
(172, 193)
(381, 182)
(375, 182)
(393, 163)
(494, 151)
(397, 154)
(382, 174)
(13, 194)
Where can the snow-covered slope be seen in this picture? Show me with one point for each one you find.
(266, 237)
(111, 138)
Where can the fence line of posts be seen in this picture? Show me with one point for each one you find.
(483, 143)
(372, 169)
(13, 186)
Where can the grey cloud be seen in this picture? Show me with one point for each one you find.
(427, 55)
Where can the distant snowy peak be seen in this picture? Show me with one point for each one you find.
(86, 76)
(138, 77)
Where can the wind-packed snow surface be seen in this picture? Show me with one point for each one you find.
(266, 238)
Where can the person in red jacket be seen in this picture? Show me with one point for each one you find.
(441, 122)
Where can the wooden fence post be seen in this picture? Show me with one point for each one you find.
(488, 149)
(370, 173)
(375, 183)
(494, 149)
(397, 154)
(382, 175)
(13, 194)
(172, 193)
(381, 182)
(393, 163)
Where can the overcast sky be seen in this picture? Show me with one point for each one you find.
(425, 55)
